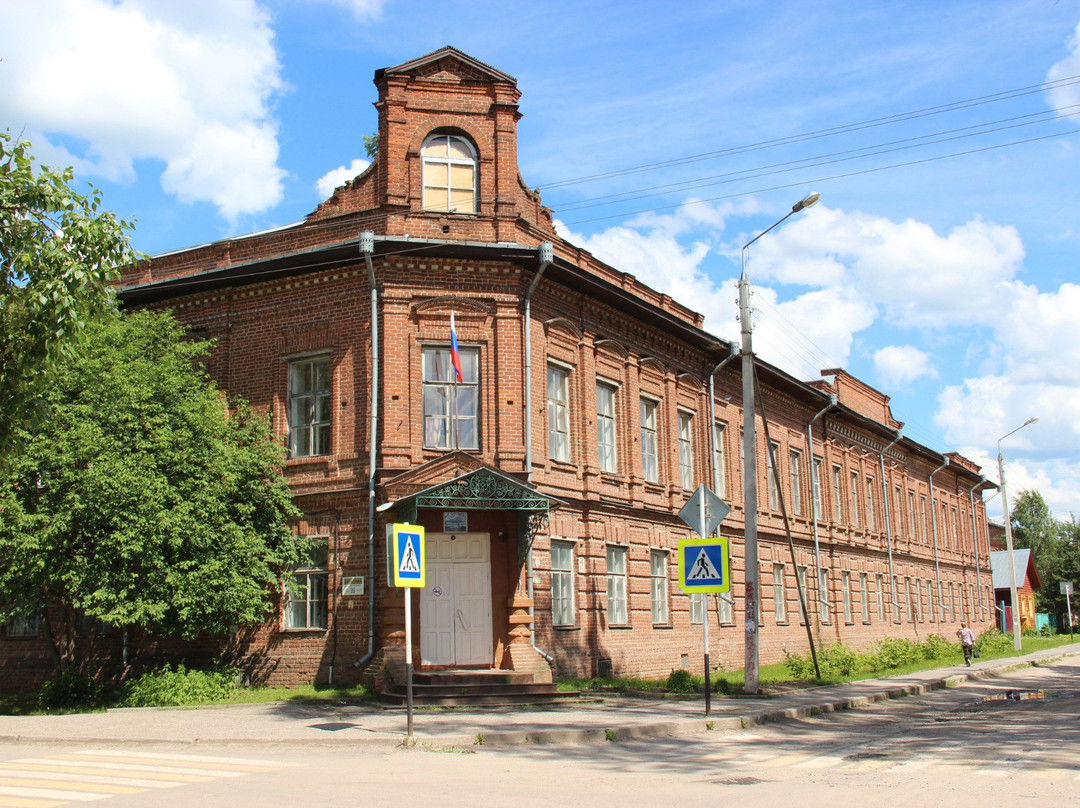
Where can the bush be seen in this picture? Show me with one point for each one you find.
(723, 686)
(72, 688)
(993, 640)
(937, 647)
(681, 681)
(893, 652)
(837, 660)
(165, 687)
(801, 667)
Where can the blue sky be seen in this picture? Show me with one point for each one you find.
(941, 265)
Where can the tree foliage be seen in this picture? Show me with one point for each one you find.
(58, 253)
(1054, 545)
(142, 500)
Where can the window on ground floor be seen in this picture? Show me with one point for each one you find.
(616, 586)
(658, 580)
(306, 594)
(562, 583)
(779, 594)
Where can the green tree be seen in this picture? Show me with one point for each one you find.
(58, 252)
(143, 500)
(1053, 545)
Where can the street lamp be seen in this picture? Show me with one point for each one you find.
(750, 601)
(1008, 537)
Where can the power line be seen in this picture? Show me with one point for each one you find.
(901, 117)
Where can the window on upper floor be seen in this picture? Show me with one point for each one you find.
(450, 175)
(838, 495)
(558, 412)
(686, 450)
(770, 472)
(854, 494)
(605, 428)
(649, 468)
(719, 475)
(451, 407)
(309, 406)
(870, 517)
(816, 479)
(795, 473)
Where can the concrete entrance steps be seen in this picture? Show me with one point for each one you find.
(467, 688)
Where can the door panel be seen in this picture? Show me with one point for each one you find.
(455, 605)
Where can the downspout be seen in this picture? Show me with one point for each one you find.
(545, 254)
(975, 541)
(733, 351)
(367, 249)
(813, 500)
(888, 526)
(933, 521)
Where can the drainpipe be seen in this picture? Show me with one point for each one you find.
(733, 351)
(367, 249)
(933, 521)
(975, 541)
(545, 254)
(885, 502)
(813, 500)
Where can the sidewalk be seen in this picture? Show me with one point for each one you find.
(599, 721)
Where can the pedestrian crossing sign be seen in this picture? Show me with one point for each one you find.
(407, 554)
(704, 565)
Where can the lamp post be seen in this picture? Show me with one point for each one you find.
(1008, 537)
(750, 602)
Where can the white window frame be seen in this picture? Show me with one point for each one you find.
(658, 587)
(562, 583)
(913, 526)
(845, 592)
(686, 449)
(307, 602)
(795, 475)
(779, 594)
(558, 412)
(771, 474)
(816, 483)
(871, 519)
(879, 582)
(838, 494)
(719, 472)
(618, 613)
(698, 608)
(650, 454)
(439, 191)
(725, 609)
(864, 589)
(309, 412)
(606, 427)
(451, 409)
(800, 573)
(854, 492)
(823, 595)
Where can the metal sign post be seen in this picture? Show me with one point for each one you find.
(407, 552)
(704, 512)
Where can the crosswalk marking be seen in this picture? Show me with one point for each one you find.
(50, 782)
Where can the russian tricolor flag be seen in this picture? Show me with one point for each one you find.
(455, 355)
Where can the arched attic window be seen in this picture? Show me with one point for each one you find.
(449, 174)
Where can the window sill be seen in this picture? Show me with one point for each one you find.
(620, 627)
(304, 630)
(662, 626)
(566, 628)
(313, 460)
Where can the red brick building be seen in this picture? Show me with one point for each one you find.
(549, 477)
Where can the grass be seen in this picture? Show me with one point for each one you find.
(778, 677)
(772, 678)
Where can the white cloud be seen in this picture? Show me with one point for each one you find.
(328, 182)
(900, 365)
(189, 84)
(919, 278)
(1066, 96)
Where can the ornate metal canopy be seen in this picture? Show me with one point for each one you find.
(485, 490)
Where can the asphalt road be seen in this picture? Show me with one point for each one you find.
(1013, 739)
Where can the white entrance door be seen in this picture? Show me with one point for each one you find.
(455, 605)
